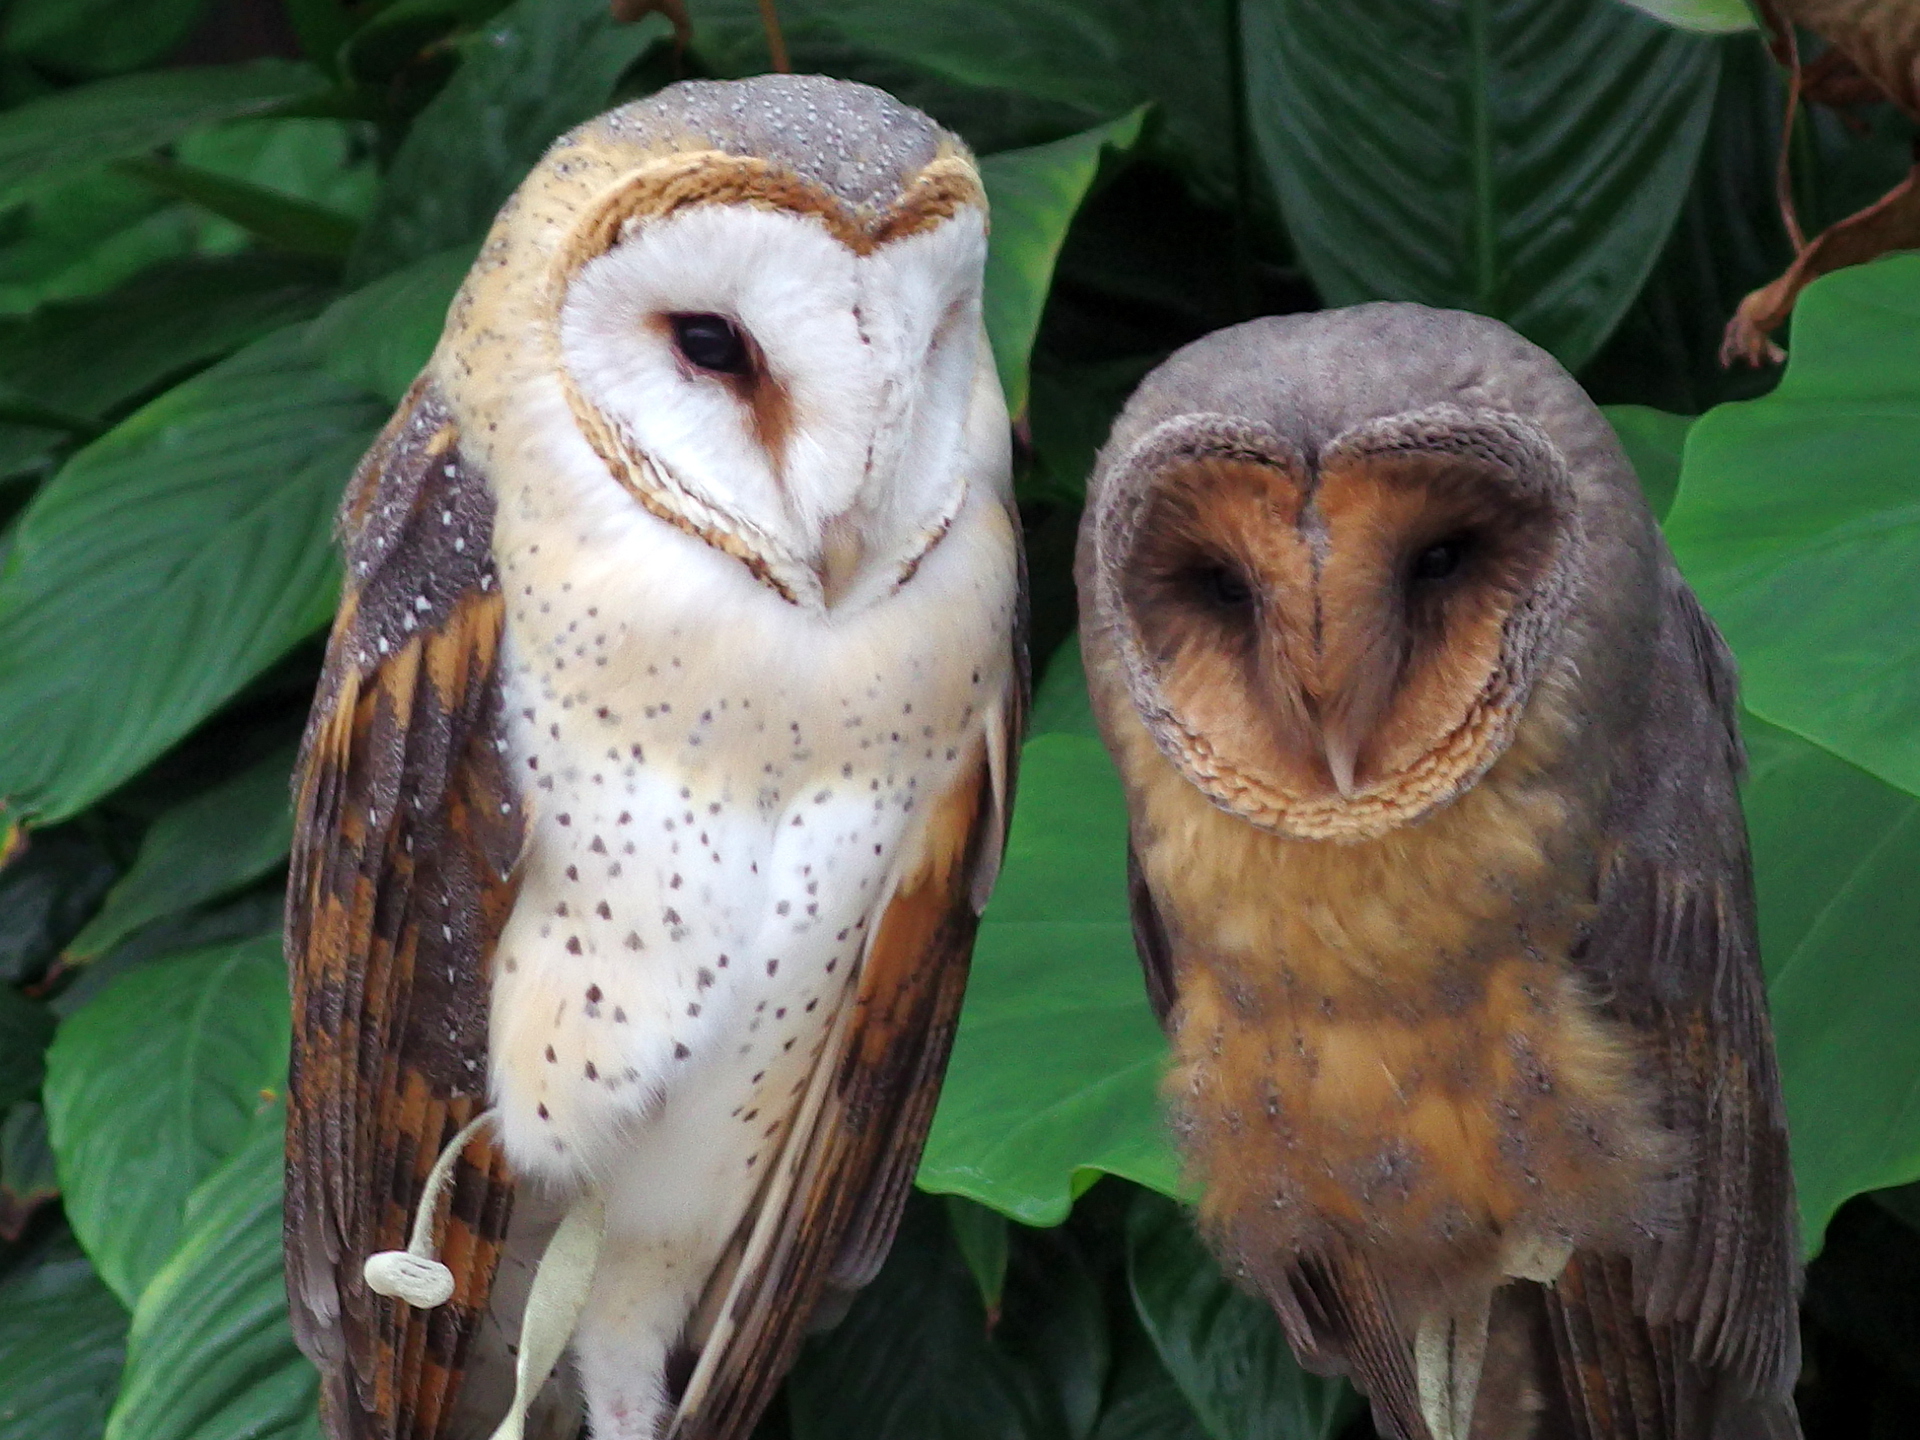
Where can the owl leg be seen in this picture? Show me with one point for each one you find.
(642, 1293)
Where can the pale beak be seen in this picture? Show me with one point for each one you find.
(1342, 754)
(841, 551)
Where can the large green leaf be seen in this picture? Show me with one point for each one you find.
(28, 1178)
(1709, 17)
(1145, 1404)
(166, 565)
(198, 851)
(84, 235)
(62, 1338)
(917, 1357)
(46, 895)
(211, 1355)
(282, 222)
(1223, 1348)
(938, 1378)
(152, 1086)
(1653, 440)
(90, 357)
(1034, 194)
(1093, 59)
(1798, 521)
(325, 162)
(1521, 158)
(1057, 1061)
(1835, 855)
(537, 69)
(79, 129)
(98, 37)
(26, 1027)
(379, 337)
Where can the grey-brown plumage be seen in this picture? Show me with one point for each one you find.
(1441, 884)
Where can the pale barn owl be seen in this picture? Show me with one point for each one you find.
(657, 775)
(1441, 884)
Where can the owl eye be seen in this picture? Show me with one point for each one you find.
(1441, 559)
(1220, 586)
(712, 342)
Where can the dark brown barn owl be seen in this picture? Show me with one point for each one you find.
(1441, 883)
(656, 779)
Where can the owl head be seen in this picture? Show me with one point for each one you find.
(758, 304)
(1336, 554)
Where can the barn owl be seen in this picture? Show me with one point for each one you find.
(656, 778)
(1440, 881)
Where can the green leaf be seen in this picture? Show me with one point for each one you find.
(328, 162)
(26, 1027)
(1709, 17)
(395, 38)
(1224, 1349)
(98, 37)
(1728, 239)
(381, 336)
(1052, 1324)
(1834, 853)
(166, 565)
(1093, 59)
(1798, 522)
(91, 357)
(86, 235)
(1524, 159)
(151, 1087)
(913, 1359)
(1142, 1401)
(1034, 194)
(540, 68)
(981, 1235)
(78, 129)
(211, 1355)
(198, 851)
(62, 1339)
(28, 1178)
(1653, 441)
(1057, 1062)
(46, 895)
(297, 227)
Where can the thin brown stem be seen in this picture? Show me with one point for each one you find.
(776, 42)
(1786, 48)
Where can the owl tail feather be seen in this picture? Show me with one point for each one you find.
(415, 1274)
(1448, 1353)
(559, 1293)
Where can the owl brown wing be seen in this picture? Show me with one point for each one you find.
(1703, 1324)
(830, 1211)
(405, 842)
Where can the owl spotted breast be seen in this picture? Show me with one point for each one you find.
(657, 776)
(1441, 884)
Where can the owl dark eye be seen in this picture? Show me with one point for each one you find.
(1440, 559)
(1220, 586)
(712, 342)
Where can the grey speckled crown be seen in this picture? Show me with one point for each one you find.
(853, 141)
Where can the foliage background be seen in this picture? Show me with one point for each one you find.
(228, 230)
